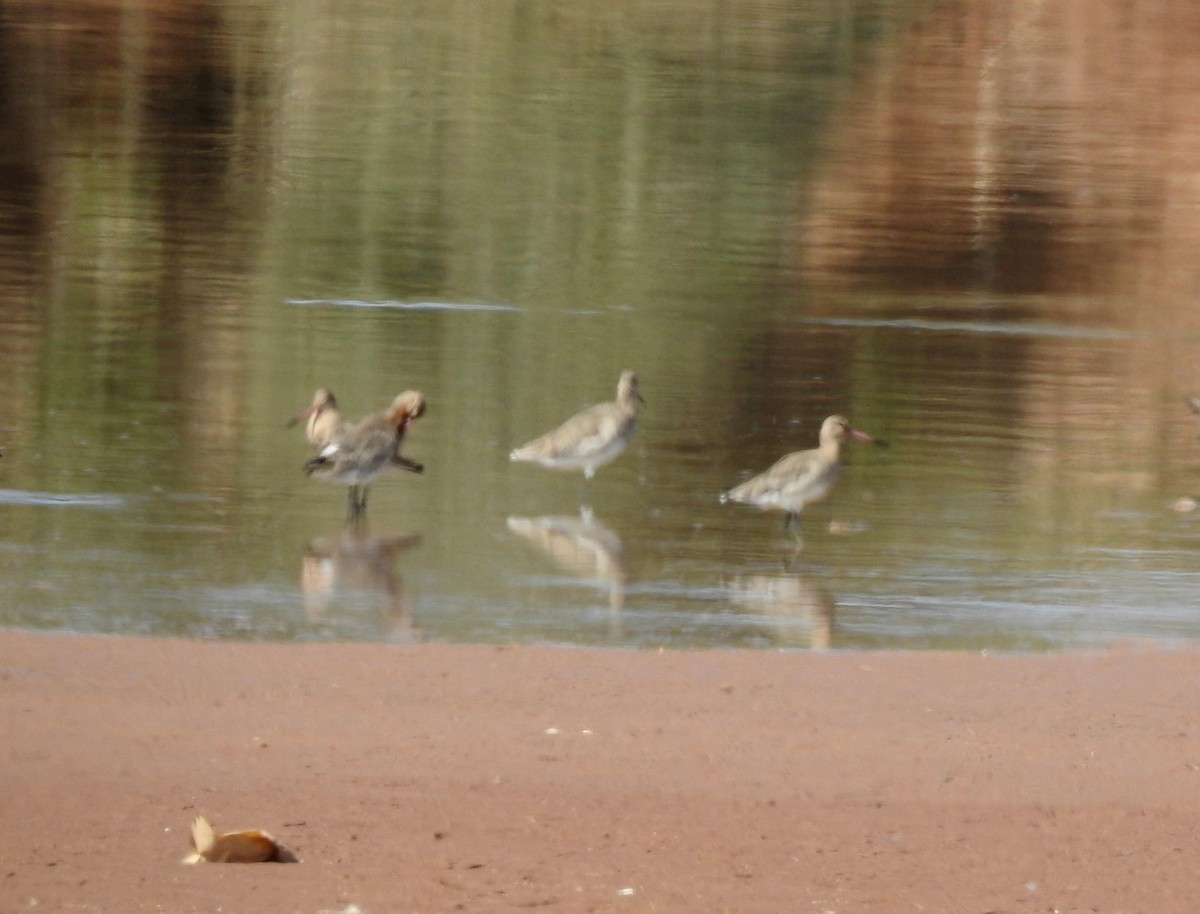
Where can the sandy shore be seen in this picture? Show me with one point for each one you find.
(434, 778)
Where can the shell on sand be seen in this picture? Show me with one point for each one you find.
(251, 845)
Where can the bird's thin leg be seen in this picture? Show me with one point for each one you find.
(356, 505)
(792, 523)
(411, 465)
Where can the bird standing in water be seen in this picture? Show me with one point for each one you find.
(325, 421)
(589, 439)
(361, 452)
(802, 477)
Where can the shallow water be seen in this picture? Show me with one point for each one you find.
(773, 212)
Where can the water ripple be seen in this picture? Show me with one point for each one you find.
(404, 305)
(69, 499)
(1009, 328)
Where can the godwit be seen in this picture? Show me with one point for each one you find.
(591, 438)
(325, 421)
(361, 452)
(802, 477)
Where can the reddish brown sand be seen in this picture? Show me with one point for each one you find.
(435, 778)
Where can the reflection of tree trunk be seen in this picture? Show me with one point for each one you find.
(120, 172)
(1018, 148)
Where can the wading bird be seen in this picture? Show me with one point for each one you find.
(361, 452)
(591, 438)
(324, 420)
(801, 477)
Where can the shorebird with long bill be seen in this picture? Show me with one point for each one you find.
(589, 439)
(323, 420)
(802, 477)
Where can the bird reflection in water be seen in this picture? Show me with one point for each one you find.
(353, 562)
(582, 546)
(789, 598)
